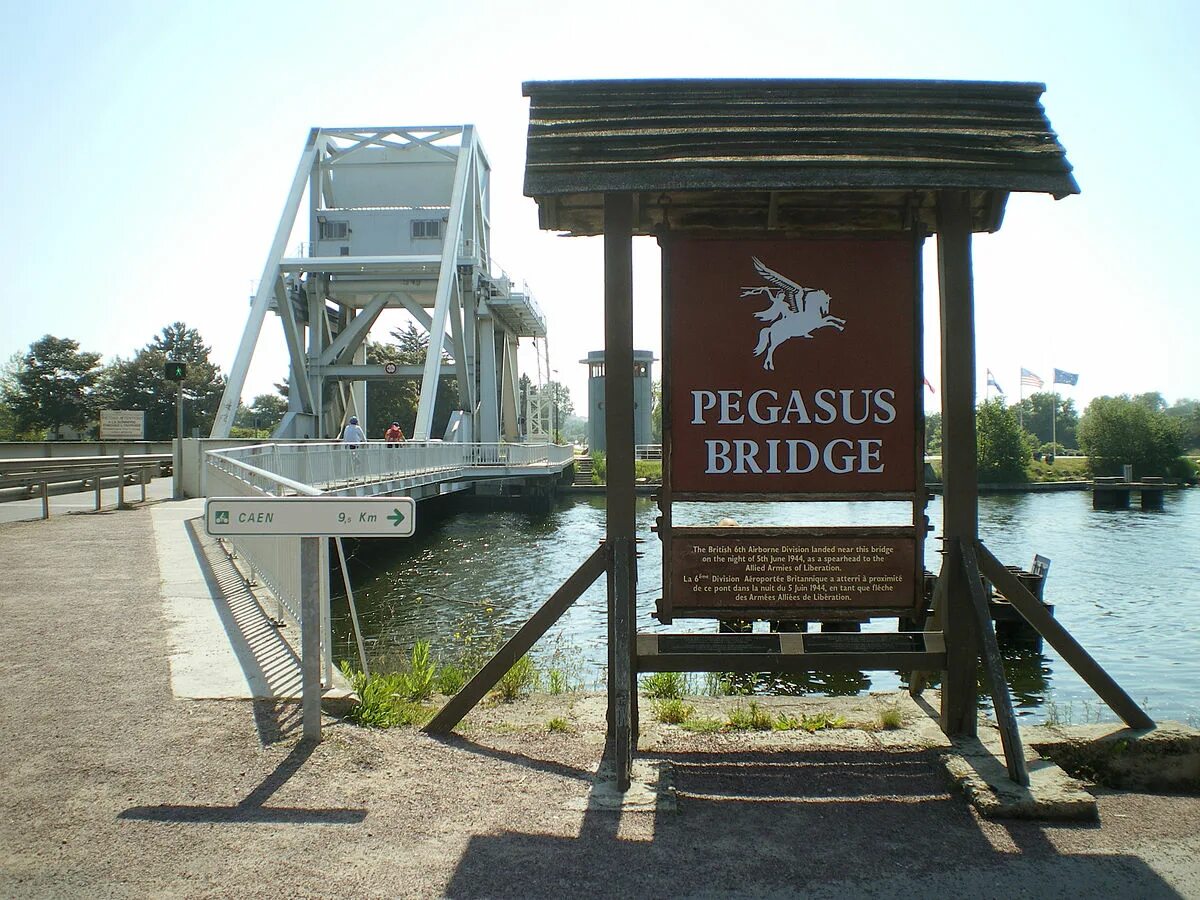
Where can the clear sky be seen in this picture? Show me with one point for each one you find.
(150, 145)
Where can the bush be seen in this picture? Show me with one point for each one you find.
(599, 467)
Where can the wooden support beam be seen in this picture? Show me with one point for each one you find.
(621, 497)
(1010, 737)
(959, 467)
(1060, 639)
(519, 644)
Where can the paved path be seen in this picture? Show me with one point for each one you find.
(111, 785)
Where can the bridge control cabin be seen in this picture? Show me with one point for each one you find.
(398, 219)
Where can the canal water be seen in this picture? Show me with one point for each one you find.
(1125, 583)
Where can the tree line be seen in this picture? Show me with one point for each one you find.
(1141, 430)
(55, 390)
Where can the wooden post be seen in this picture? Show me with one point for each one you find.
(618, 426)
(960, 514)
(1006, 720)
(310, 637)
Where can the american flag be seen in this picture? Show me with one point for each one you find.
(1030, 379)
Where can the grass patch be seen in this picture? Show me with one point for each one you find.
(559, 725)
(664, 685)
(703, 725)
(890, 718)
(1064, 468)
(673, 711)
(649, 469)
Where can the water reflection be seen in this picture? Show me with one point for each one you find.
(1125, 583)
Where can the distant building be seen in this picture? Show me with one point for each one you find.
(643, 360)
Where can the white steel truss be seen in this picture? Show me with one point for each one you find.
(398, 219)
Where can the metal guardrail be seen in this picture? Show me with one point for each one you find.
(37, 481)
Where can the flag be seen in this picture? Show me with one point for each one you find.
(925, 381)
(1030, 379)
(1061, 377)
(991, 380)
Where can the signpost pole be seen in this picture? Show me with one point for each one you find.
(121, 479)
(621, 521)
(178, 474)
(310, 636)
(959, 464)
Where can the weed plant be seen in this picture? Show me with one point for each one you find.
(559, 725)
(384, 700)
(673, 711)
(750, 718)
(518, 681)
(890, 718)
(665, 686)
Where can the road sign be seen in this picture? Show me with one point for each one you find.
(174, 371)
(390, 368)
(311, 516)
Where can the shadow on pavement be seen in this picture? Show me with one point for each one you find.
(252, 808)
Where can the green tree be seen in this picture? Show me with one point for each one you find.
(396, 399)
(1001, 446)
(1187, 412)
(1034, 413)
(53, 385)
(1116, 431)
(933, 434)
(262, 416)
(138, 383)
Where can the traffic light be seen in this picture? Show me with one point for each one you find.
(174, 371)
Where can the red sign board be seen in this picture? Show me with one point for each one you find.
(792, 366)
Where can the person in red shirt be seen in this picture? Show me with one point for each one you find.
(394, 436)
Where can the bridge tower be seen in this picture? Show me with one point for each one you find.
(398, 218)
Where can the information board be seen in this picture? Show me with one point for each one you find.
(791, 569)
(122, 425)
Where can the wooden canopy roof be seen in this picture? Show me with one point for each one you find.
(786, 155)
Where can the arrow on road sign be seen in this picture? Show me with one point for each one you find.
(396, 518)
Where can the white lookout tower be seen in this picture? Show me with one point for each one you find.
(397, 218)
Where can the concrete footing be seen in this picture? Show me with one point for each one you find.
(1165, 758)
(977, 768)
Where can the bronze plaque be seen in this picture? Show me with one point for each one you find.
(791, 366)
(791, 573)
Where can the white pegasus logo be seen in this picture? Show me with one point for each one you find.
(795, 311)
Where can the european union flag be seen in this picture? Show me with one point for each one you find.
(1061, 377)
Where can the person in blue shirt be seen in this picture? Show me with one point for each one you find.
(353, 435)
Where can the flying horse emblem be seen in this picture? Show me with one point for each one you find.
(795, 311)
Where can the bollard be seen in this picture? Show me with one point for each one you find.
(121, 480)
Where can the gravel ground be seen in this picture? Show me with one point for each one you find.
(112, 788)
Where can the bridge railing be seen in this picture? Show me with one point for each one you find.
(311, 468)
(330, 465)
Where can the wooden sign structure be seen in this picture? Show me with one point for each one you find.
(778, 204)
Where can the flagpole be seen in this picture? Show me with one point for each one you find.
(1021, 405)
(1053, 425)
